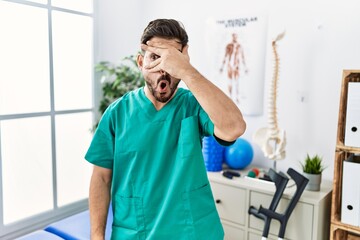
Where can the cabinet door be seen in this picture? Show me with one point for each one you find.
(230, 202)
(233, 233)
(255, 236)
(300, 224)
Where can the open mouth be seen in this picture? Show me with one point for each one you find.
(163, 85)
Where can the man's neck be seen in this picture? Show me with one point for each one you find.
(158, 105)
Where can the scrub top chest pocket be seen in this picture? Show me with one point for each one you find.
(190, 137)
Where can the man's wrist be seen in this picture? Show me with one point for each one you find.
(190, 74)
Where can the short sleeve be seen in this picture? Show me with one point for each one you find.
(207, 126)
(101, 150)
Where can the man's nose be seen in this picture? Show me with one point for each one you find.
(162, 72)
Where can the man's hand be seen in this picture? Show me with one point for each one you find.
(226, 116)
(174, 61)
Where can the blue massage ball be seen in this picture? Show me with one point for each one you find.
(239, 155)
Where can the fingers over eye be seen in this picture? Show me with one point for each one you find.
(152, 49)
(160, 45)
(145, 47)
(152, 64)
(153, 68)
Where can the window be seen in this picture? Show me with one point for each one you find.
(46, 111)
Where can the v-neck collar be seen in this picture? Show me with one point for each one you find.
(150, 109)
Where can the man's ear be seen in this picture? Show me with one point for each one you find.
(140, 60)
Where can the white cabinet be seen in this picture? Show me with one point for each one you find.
(294, 230)
(227, 197)
(310, 219)
(257, 236)
(233, 232)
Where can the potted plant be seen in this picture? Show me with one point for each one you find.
(312, 168)
(117, 79)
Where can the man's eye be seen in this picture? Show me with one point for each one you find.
(154, 57)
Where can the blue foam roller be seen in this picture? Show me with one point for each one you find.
(213, 154)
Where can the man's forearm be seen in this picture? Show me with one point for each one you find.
(226, 116)
(99, 199)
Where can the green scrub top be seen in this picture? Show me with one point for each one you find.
(160, 188)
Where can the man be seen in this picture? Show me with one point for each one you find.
(147, 147)
(233, 52)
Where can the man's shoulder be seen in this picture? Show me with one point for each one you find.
(186, 98)
(185, 93)
(125, 99)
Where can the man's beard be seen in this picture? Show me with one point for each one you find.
(159, 96)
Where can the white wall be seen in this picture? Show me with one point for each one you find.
(322, 38)
(119, 27)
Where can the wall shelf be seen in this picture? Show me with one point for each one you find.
(338, 229)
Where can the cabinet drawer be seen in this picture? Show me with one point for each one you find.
(299, 227)
(230, 202)
(255, 236)
(233, 233)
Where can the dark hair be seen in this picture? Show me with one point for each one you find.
(165, 28)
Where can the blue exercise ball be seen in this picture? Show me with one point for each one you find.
(239, 155)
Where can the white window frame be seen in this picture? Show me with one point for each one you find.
(39, 221)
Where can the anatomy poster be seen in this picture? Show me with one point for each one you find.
(236, 54)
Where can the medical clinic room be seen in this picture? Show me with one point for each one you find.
(191, 120)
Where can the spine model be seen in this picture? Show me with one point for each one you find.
(272, 139)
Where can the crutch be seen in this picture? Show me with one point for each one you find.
(280, 180)
(283, 218)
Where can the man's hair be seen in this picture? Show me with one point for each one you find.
(165, 28)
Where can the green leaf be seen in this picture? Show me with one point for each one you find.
(120, 79)
(312, 165)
